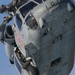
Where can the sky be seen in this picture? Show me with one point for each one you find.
(5, 67)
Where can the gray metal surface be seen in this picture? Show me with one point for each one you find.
(52, 45)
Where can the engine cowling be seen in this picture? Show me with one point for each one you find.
(8, 31)
(9, 35)
(9, 42)
(9, 49)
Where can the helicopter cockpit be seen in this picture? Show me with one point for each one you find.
(29, 20)
(25, 13)
(29, 6)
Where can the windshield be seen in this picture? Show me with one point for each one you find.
(18, 21)
(44, 0)
(39, 1)
(72, 2)
(26, 8)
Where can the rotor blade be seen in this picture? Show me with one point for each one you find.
(2, 8)
(2, 27)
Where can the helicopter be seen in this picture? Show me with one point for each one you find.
(41, 39)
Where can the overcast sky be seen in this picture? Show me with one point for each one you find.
(5, 67)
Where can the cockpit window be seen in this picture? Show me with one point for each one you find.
(39, 1)
(44, 0)
(31, 21)
(18, 21)
(25, 9)
(72, 3)
(17, 66)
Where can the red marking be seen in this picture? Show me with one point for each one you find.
(19, 39)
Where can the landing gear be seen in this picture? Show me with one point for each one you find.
(26, 64)
(32, 70)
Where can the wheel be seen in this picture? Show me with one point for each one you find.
(32, 70)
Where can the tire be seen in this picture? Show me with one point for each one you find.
(32, 70)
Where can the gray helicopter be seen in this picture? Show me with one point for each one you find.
(41, 40)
